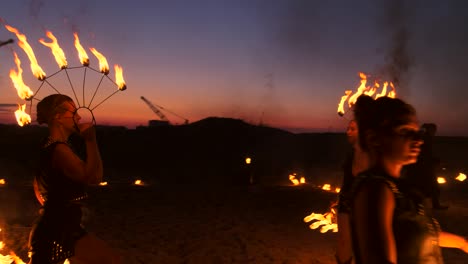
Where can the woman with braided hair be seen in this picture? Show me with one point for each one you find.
(60, 187)
(388, 222)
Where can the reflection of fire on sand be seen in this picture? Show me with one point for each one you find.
(24, 92)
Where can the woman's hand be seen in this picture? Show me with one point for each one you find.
(87, 131)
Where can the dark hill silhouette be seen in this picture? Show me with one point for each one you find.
(212, 150)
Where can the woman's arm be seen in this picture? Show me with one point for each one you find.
(373, 217)
(89, 171)
(450, 240)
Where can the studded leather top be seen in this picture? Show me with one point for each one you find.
(416, 233)
(54, 186)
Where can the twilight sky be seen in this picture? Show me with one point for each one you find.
(284, 63)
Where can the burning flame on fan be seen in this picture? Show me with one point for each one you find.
(84, 59)
(58, 53)
(367, 90)
(326, 221)
(23, 43)
(103, 65)
(25, 93)
(21, 116)
(295, 181)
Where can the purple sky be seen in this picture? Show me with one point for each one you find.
(283, 63)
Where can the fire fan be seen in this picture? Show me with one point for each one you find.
(65, 76)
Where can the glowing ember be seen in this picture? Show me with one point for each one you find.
(461, 177)
(2, 182)
(103, 183)
(103, 65)
(24, 92)
(441, 180)
(58, 53)
(326, 221)
(367, 90)
(84, 59)
(138, 182)
(21, 116)
(23, 43)
(326, 187)
(119, 78)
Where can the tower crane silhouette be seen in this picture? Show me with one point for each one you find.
(157, 110)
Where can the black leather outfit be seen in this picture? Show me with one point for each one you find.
(58, 227)
(416, 233)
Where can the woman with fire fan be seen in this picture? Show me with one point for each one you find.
(59, 185)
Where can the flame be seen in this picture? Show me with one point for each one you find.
(24, 92)
(84, 59)
(367, 90)
(292, 178)
(326, 187)
(138, 182)
(441, 180)
(23, 43)
(8, 259)
(103, 65)
(16, 259)
(302, 180)
(327, 221)
(2, 182)
(343, 99)
(21, 116)
(58, 53)
(337, 189)
(119, 78)
(352, 100)
(248, 160)
(461, 177)
(103, 183)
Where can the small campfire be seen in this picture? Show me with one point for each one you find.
(295, 181)
(138, 183)
(461, 177)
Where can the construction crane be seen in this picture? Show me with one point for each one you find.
(157, 110)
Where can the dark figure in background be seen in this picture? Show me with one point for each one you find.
(356, 162)
(59, 185)
(389, 224)
(422, 175)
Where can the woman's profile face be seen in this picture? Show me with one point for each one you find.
(352, 132)
(68, 117)
(402, 144)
